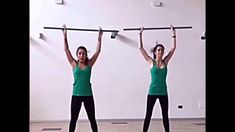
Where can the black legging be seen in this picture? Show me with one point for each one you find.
(90, 110)
(151, 99)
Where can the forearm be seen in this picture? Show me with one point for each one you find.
(67, 51)
(173, 41)
(141, 48)
(66, 46)
(140, 41)
(98, 46)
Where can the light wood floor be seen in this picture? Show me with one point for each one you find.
(176, 125)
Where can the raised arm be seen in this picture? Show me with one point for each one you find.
(70, 58)
(171, 52)
(141, 48)
(98, 49)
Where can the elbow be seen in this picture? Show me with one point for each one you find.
(98, 51)
(141, 49)
(174, 46)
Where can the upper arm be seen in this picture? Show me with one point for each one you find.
(93, 59)
(169, 55)
(144, 53)
(70, 58)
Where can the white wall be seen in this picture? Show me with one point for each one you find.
(120, 77)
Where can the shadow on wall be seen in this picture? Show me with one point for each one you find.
(34, 43)
(45, 51)
(132, 43)
(127, 41)
(43, 37)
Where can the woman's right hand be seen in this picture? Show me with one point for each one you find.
(141, 30)
(64, 30)
(100, 33)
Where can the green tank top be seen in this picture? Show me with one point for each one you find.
(158, 80)
(82, 84)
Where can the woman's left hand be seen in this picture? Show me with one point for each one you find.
(100, 32)
(173, 30)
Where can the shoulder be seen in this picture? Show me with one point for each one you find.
(89, 64)
(165, 62)
(151, 62)
(74, 64)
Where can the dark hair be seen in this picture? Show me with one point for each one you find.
(84, 48)
(155, 48)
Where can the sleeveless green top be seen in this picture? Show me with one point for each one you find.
(82, 84)
(158, 80)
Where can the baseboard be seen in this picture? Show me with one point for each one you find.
(112, 120)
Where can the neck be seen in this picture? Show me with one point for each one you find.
(81, 63)
(158, 60)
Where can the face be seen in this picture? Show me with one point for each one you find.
(159, 52)
(81, 55)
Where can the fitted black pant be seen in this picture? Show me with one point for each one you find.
(151, 99)
(76, 107)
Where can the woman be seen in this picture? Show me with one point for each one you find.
(82, 91)
(158, 86)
